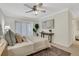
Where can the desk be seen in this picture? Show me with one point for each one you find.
(50, 34)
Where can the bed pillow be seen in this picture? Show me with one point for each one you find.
(12, 37)
(19, 38)
(24, 38)
(7, 38)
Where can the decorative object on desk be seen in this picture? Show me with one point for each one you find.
(35, 29)
(50, 30)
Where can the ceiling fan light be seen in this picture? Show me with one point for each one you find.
(36, 13)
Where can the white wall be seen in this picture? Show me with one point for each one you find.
(74, 26)
(75, 23)
(63, 27)
(2, 20)
(70, 28)
(11, 21)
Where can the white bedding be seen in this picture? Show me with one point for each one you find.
(33, 45)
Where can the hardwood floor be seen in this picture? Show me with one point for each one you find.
(73, 49)
(51, 51)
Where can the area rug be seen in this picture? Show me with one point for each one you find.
(52, 51)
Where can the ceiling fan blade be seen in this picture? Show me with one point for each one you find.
(42, 10)
(29, 11)
(40, 4)
(27, 6)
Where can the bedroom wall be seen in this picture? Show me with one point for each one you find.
(2, 22)
(70, 26)
(46, 18)
(75, 23)
(63, 28)
(11, 21)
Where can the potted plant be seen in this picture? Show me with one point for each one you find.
(35, 29)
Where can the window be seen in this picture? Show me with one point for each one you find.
(24, 28)
(18, 27)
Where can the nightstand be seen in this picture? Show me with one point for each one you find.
(3, 48)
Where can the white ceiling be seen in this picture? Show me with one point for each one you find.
(18, 9)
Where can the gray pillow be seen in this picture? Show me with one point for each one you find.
(10, 38)
(7, 38)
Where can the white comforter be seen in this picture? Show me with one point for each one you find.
(33, 45)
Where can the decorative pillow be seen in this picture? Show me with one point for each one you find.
(12, 37)
(19, 38)
(8, 39)
(24, 39)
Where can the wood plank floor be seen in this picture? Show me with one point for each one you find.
(73, 49)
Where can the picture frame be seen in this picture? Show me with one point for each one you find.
(48, 24)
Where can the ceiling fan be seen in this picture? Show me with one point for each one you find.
(35, 8)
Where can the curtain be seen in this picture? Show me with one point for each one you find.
(24, 28)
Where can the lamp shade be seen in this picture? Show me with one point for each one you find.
(7, 27)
